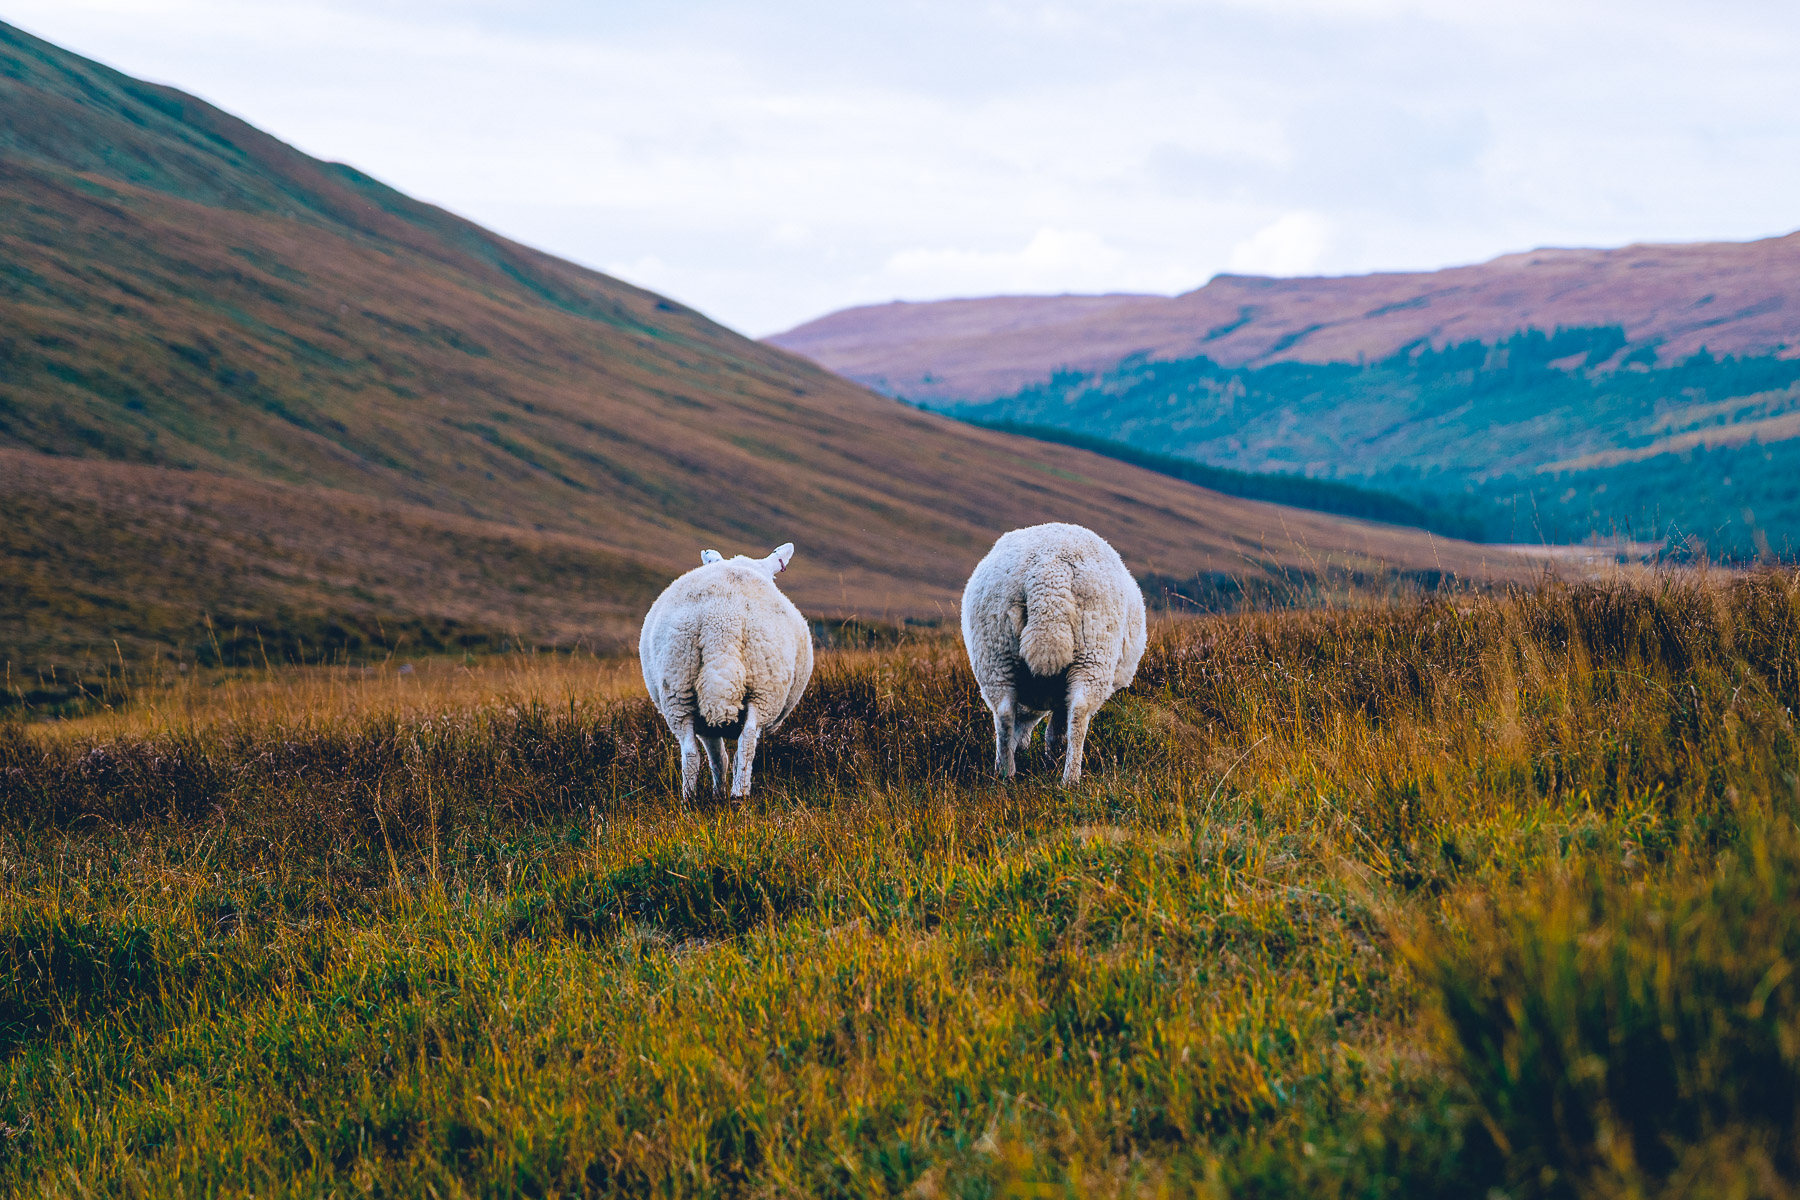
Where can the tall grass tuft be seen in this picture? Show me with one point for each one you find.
(1625, 1039)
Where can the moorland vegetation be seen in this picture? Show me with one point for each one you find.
(1470, 894)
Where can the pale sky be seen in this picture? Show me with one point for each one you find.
(769, 162)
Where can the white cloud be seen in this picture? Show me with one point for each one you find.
(1053, 258)
(647, 271)
(1293, 245)
(790, 233)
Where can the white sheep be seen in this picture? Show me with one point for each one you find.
(725, 655)
(1054, 624)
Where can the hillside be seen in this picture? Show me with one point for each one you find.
(1732, 298)
(239, 381)
(1556, 437)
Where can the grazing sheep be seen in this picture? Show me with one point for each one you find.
(1054, 624)
(725, 654)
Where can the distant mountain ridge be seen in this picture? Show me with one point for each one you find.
(1740, 298)
(241, 382)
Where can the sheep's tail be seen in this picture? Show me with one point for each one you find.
(1047, 642)
(723, 677)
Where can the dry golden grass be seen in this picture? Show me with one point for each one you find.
(307, 697)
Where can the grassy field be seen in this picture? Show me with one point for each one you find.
(1478, 895)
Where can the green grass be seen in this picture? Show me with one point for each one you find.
(1423, 899)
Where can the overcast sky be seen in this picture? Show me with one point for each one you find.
(770, 161)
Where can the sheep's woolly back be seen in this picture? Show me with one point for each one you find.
(723, 636)
(719, 686)
(1047, 639)
(1053, 598)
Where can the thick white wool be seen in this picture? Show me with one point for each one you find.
(1054, 624)
(725, 654)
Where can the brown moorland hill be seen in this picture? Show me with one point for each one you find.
(238, 380)
(1730, 297)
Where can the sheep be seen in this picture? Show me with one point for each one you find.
(724, 655)
(1054, 624)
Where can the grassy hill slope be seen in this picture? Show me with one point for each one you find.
(115, 552)
(340, 402)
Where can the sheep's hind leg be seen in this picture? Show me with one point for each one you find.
(1023, 728)
(746, 753)
(1004, 724)
(690, 760)
(1082, 707)
(1052, 735)
(720, 762)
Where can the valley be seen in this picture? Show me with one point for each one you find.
(243, 386)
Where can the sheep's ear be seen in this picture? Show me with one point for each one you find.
(710, 556)
(779, 560)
